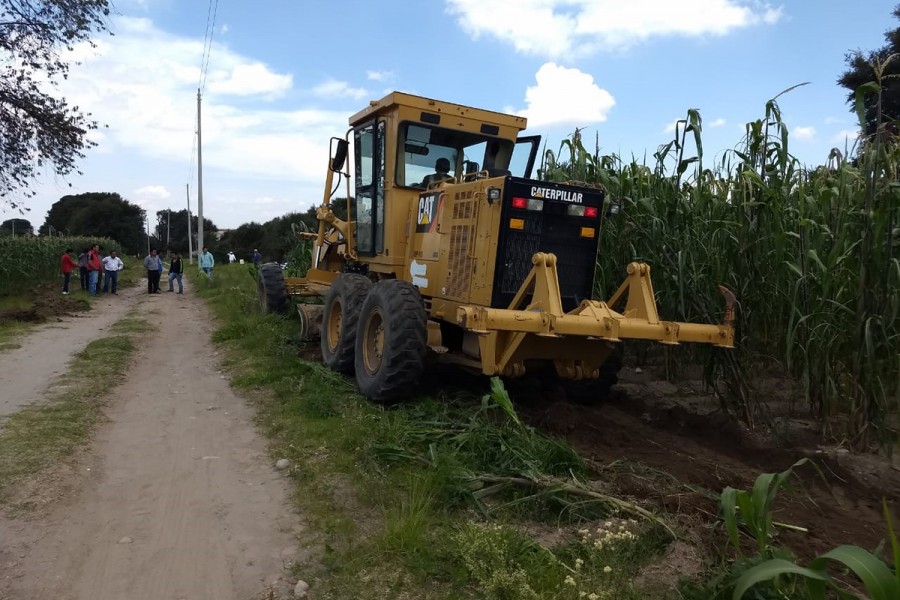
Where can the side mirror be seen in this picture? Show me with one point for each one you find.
(471, 167)
(339, 149)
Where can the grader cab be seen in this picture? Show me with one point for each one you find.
(450, 250)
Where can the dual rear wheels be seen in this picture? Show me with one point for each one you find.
(377, 331)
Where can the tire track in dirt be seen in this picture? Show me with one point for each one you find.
(181, 471)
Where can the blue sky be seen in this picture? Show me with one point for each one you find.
(284, 76)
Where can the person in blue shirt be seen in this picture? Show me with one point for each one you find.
(207, 262)
(257, 258)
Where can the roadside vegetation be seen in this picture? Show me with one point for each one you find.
(448, 497)
(453, 496)
(41, 438)
(30, 281)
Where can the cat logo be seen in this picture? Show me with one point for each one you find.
(427, 215)
(425, 205)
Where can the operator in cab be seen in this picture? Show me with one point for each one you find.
(442, 168)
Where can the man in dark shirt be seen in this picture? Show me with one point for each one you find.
(176, 269)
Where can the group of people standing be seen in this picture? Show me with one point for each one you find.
(95, 270)
(154, 266)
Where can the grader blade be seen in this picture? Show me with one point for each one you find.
(579, 341)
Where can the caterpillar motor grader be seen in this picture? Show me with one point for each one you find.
(450, 250)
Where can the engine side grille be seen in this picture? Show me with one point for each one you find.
(459, 264)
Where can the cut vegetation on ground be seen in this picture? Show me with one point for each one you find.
(455, 495)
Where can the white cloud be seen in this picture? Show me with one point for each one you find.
(151, 198)
(380, 75)
(845, 135)
(670, 128)
(804, 133)
(224, 28)
(562, 28)
(142, 84)
(583, 102)
(248, 79)
(833, 120)
(720, 122)
(155, 192)
(339, 89)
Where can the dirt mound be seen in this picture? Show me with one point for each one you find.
(679, 458)
(46, 304)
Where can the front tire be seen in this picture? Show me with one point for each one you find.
(271, 289)
(343, 302)
(391, 342)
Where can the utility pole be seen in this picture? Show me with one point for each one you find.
(199, 179)
(187, 189)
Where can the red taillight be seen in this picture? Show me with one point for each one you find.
(590, 211)
(519, 203)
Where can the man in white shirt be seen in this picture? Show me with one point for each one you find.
(112, 264)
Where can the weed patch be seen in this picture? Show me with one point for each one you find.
(41, 436)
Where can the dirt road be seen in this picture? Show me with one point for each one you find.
(45, 353)
(178, 499)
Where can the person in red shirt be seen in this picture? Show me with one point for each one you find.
(93, 267)
(67, 264)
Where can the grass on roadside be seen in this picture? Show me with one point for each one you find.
(430, 499)
(40, 436)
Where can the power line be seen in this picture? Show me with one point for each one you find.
(212, 12)
(211, 29)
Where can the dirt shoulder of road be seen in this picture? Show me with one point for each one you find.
(174, 497)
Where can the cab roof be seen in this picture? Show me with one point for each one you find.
(400, 99)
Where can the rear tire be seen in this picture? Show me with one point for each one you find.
(595, 391)
(391, 342)
(271, 289)
(343, 302)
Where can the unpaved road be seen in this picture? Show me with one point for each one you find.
(178, 499)
(44, 353)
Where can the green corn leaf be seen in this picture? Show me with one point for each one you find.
(895, 544)
(728, 502)
(861, 91)
(876, 576)
(770, 570)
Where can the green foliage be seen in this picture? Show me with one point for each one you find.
(876, 66)
(98, 214)
(37, 126)
(28, 260)
(753, 509)
(172, 231)
(812, 255)
(773, 572)
(16, 227)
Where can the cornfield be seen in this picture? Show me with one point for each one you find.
(25, 260)
(813, 255)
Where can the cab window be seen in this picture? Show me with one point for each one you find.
(369, 169)
(420, 148)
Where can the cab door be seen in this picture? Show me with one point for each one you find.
(369, 169)
(522, 161)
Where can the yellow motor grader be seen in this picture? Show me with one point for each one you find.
(449, 249)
